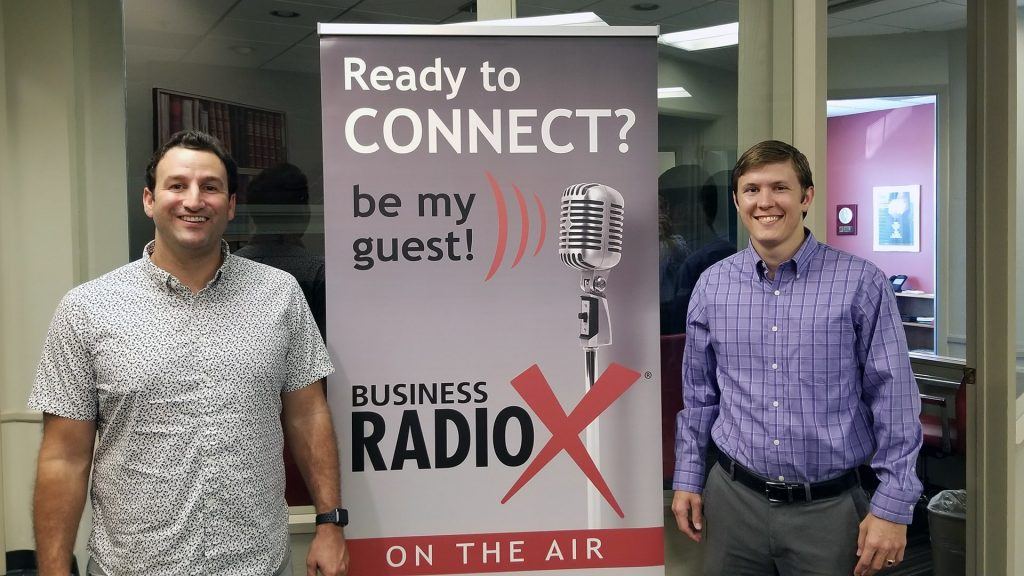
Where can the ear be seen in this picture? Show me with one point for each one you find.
(147, 201)
(808, 195)
(735, 202)
(232, 200)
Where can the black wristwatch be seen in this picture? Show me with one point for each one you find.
(338, 517)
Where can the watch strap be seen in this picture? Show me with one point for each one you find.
(338, 516)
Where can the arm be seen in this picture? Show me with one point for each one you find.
(62, 476)
(693, 423)
(890, 392)
(310, 435)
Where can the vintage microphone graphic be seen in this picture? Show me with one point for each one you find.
(590, 240)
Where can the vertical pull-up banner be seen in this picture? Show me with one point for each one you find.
(471, 440)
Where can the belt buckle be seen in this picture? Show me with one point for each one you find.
(771, 488)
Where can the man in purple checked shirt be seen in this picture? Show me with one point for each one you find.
(796, 367)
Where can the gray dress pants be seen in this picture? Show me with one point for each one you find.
(746, 535)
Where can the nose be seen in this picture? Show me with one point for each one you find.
(765, 199)
(193, 199)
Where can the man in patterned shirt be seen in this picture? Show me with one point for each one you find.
(796, 366)
(186, 362)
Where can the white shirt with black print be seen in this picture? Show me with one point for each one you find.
(185, 389)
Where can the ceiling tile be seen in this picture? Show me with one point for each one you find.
(260, 10)
(530, 11)
(136, 37)
(138, 54)
(616, 20)
(364, 17)
(958, 25)
(459, 17)
(924, 16)
(874, 9)
(434, 10)
(222, 52)
(704, 16)
(186, 15)
(340, 4)
(560, 5)
(260, 31)
(833, 21)
(624, 9)
(863, 29)
(297, 59)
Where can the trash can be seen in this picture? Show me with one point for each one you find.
(947, 525)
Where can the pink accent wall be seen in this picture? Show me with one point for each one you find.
(887, 148)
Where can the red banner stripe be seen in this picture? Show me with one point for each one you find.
(507, 552)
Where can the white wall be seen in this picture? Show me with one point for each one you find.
(923, 63)
(62, 168)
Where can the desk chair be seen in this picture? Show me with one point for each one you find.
(944, 433)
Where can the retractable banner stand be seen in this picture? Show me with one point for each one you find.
(458, 161)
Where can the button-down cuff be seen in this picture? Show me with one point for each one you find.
(894, 505)
(688, 482)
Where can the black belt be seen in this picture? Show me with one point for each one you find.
(787, 491)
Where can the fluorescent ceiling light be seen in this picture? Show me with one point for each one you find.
(673, 92)
(704, 38)
(575, 19)
(860, 105)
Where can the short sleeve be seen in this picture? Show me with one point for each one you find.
(308, 360)
(65, 382)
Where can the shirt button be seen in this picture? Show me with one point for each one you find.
(777, 292)
(782, 478)
(775, 366)
(775, 328)
(775, 403)
(776, 442)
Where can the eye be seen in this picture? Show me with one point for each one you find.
(176, 186)
(211, 188)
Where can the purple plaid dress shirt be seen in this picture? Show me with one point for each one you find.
(800, 378)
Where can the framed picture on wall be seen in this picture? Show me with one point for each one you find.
(896, 215)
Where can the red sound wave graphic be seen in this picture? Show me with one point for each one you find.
(499, 249)
(524, 222)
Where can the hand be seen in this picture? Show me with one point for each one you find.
(688, 509)
(328, 553)
(879, 542)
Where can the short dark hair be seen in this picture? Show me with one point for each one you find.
(194, 140)
(772, 152)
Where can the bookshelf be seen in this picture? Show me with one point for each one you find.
(918, 314)
(255, 137)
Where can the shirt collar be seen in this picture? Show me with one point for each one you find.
(165, 278)
(800, 261)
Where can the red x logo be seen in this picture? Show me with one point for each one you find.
(565, 430)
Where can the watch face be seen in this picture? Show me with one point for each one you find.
(845, 215)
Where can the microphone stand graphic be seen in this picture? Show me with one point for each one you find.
(590, 240)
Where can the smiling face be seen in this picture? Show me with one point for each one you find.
(190, 204)
(771, 203)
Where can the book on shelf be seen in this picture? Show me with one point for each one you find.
(254, 137)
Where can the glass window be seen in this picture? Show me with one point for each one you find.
(896, 183)
(897, 157)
